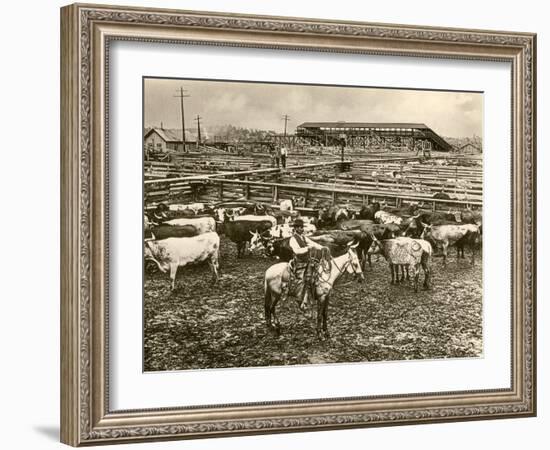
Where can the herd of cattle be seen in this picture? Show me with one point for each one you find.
(407, 237)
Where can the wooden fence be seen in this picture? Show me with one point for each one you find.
(223, 189)
(270, 185)
(187, 188)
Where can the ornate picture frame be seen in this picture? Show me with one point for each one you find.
(87, 32)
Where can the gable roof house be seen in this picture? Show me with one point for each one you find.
(167, 140)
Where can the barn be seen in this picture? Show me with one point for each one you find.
(470, 149)
(375, 136)
(163, 140)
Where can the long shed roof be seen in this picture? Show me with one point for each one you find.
(392, 125)
(361, 125)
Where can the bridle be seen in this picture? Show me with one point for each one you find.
(341, 269)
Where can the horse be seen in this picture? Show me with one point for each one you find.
(324, 277)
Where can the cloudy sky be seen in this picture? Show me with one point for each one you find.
(262, 106)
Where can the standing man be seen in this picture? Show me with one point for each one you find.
(284, 153)
(278, 156)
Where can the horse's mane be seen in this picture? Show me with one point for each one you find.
(322, 254)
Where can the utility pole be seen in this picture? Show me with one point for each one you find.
(285, 118)
(198, 119)
(181, 96)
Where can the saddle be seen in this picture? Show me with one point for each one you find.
(302, 272)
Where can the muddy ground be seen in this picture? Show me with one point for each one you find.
(206, 325)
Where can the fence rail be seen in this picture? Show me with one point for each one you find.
(270, 185)
(220, 189)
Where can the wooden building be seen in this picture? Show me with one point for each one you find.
(470, 149)
(164, 140)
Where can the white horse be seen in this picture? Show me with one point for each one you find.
(324, 277)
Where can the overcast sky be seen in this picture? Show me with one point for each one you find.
(262, 106)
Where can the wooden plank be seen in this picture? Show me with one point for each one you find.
(405, 196)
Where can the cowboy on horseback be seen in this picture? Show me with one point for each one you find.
(309, 277)
(301, 267)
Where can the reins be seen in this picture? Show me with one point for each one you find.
(328, 270)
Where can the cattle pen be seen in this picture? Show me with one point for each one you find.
(221, 325)
(350, 182)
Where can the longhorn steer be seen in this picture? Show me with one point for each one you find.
(172, 253)
(242, 231)
(279, 248)
(377, 230)
(258, 218)
(202, 224)
(368, 211)
(353, 224)
(283, 216)
(446, 235)
(329, 216)
(286, 205)
(385, 217)
(167, 231)
(336, 240)
(192, 208)
(260, 240)
(405, 252)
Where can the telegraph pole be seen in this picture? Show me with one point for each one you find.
(285, 118)
(181, 96)
(198, 119)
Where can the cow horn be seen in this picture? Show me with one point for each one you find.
(352, 245)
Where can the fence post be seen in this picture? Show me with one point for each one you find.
(275, 193)
(220, 191)
(246, 189)
(306, 198)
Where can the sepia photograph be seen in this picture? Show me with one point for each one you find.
(297, 224)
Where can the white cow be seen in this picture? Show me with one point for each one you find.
(459, 235)
(171, 253)
(202, 224)
(385, 217)
(286, 205)
(195, 207)
(253, 217)
(286, 230)
(146, 223)
(407, 253)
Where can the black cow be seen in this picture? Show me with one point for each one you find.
(353, 224)
(240, 231)
(337, 241)
(331, 215)
(415, 226)
(368, 211)
(469, 216)
(282, 215)
(279, 248)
